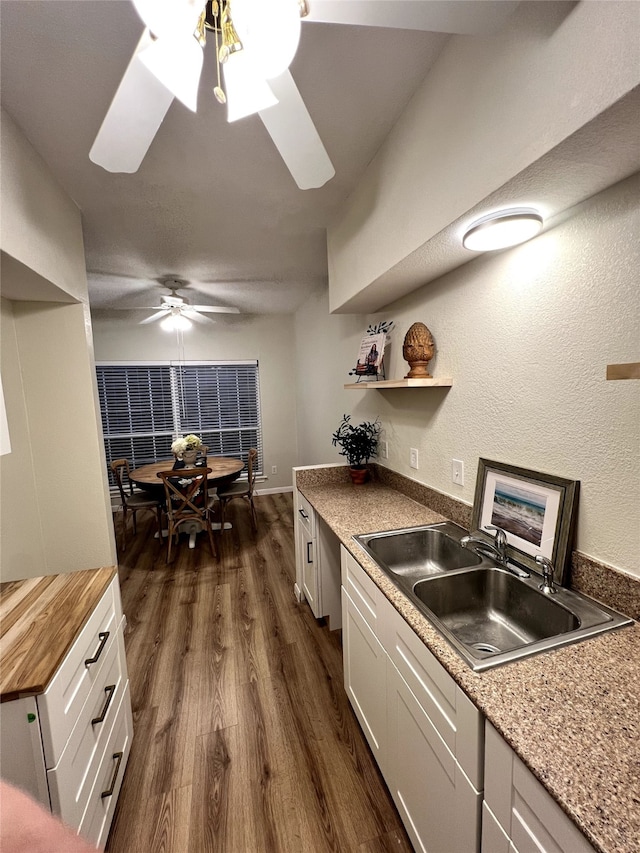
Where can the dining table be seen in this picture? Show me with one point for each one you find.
(224, 469)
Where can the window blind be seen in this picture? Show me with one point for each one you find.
(144, 406)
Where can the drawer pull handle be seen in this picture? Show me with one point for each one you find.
(110, 689)
(109, 792)
(309, 560)
(303, 514)
(103, 636)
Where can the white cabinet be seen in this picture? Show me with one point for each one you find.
(519, 815)
(69, 745)
(365, 660)
(426, 734)
(317, 563)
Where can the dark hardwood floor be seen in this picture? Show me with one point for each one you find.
(244, 740)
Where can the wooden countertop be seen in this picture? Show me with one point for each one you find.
(572, 714)
(39, 620)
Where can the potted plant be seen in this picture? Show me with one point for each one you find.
(359, 444)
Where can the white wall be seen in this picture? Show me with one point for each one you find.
(490, 107)
(268, 338)
(526, 335)
(56, 515)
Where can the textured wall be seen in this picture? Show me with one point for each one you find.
(489, 108)
(526, 335)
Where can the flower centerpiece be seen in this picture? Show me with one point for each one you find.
(359, 443)
(186, 448)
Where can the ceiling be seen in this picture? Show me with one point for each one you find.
(213, 203)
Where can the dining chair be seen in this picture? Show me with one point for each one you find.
(187, 501)
(241, 490)
(133, 501)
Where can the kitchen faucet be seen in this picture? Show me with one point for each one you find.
(496, 549)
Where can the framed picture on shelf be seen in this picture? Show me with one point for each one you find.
(537, 512)
(370, 355)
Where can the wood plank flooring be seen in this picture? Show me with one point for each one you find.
(244, 740)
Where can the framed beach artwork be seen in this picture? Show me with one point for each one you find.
(537, 512)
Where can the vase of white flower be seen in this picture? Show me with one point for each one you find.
(187, 449)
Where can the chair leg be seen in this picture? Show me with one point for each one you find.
(159, 514)
(214, 550)
(169, 542)
(254, 517)
(223, 503)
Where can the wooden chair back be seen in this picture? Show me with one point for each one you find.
(118, 466)
(187, 500)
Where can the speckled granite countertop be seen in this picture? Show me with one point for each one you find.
(572, 715)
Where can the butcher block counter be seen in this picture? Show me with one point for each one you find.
(39, 620)
(65, 716)
(572, 715)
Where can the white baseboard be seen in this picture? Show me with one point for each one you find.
(276, 491)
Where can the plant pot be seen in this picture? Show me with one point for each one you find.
(189, 457)
(359, 475)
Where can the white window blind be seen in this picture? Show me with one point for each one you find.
(145, 406)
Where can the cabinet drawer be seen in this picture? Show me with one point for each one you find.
(71, 779)
(104, 794)
(60, 705)
(306, 515)
(361, 590)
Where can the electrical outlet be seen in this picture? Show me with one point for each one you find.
(274, 469)
(413, 457)
(384, 450)
(457, 471)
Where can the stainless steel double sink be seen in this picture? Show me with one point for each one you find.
(489, 614)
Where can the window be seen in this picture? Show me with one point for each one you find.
(144, 406)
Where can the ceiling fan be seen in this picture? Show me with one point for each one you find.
(176, 313)
(255, 42)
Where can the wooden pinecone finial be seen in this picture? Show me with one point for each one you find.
(418, 349)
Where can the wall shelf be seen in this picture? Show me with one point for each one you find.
(402, 383)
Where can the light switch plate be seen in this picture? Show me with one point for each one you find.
(457, 471)
(384, 449)
(413, 457)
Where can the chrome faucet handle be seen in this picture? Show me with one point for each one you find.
(547, 585)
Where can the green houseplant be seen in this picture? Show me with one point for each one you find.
(358, 443)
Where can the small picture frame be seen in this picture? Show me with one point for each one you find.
(370, 355)
(537, 512)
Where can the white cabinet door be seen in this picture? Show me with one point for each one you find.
(365, 672)
(439, 807)
(522, 807)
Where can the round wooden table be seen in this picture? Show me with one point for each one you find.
(224, 469)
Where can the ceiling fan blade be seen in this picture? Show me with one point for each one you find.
(191, 314)
(166, 17)
(177, 63)
(214, 309)
(446, 16)
(132, 121)
(157, 316)
(295, 136)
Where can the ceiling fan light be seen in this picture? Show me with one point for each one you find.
(176, 322)
(177, 64)
(270, 33)
(247, 92)
(502, 229)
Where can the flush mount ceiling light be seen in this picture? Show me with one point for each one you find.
(502, 229)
